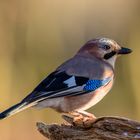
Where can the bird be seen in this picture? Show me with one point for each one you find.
(77, 84)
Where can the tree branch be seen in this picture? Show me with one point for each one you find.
(105, 128)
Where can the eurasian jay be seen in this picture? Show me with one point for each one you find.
(77, 84)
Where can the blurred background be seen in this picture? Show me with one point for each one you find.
(38, 35)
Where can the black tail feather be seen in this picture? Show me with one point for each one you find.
(12, 110)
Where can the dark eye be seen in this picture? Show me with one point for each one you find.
(106, 47)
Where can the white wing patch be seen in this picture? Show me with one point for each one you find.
(70, 82)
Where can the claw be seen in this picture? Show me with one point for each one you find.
(80, 119)
(68, 118)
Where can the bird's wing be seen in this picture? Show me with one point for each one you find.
(60, 84)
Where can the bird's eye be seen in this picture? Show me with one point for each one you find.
(106, 47)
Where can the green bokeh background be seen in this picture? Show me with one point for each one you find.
(38, 35)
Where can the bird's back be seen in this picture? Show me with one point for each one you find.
(93, 68)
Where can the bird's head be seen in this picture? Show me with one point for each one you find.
(104, 49)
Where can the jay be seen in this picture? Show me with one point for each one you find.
(77, 84)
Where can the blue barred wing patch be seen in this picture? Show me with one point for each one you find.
(92, 85)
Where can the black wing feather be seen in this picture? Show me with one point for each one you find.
(53, 84)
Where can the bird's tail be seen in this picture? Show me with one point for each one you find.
(15, 109)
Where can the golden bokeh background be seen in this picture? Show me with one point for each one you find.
(38, 35)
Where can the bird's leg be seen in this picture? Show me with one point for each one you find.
(84, 118)
(80, 118)
(86, 114)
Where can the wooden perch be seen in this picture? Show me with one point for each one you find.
(105, 128)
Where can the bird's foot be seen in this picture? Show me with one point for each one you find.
(80, 118)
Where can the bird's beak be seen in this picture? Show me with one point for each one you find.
(124, 51)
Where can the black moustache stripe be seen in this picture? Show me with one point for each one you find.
(109, 55)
